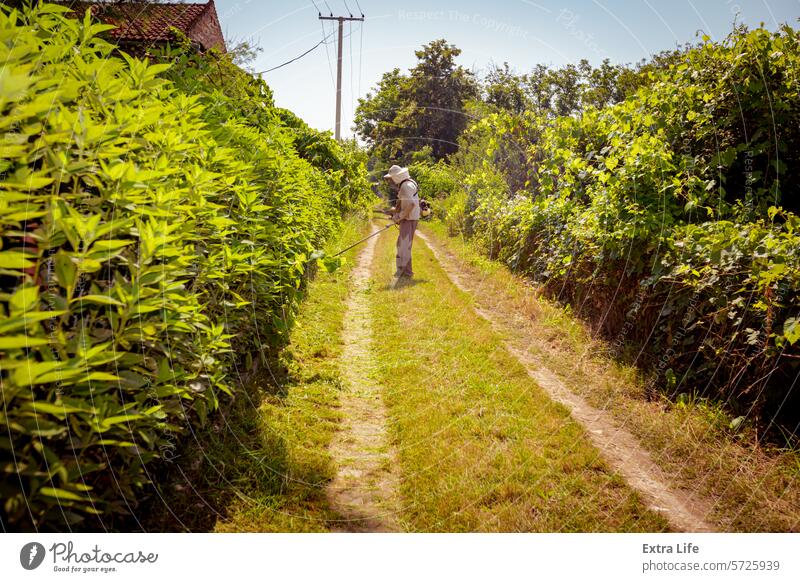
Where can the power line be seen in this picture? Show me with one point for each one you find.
(340, 20)
(359, 8)
(350, 24)
(346, 7)
(360, 53)
(323, 41)
(298, 57)
(328, 54)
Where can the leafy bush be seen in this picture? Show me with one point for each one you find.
(153, 233)
(344, 170)
(436, 180)
(668, 219)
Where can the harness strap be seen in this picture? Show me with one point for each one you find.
(416, 186)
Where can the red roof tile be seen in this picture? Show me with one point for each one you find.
(145, 22)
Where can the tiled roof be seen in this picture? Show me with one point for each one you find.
(144, 21)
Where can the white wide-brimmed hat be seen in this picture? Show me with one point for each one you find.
(397, 174)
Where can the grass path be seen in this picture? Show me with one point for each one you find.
(618, 446)
(442, 405)
(481, 447)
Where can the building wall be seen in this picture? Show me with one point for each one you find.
(206, 30)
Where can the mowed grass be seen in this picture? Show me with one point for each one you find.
(264, 464)
(753, 486)
(480, 446)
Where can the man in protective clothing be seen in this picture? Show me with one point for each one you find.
(407, 215)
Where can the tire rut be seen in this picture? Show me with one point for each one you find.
(364, 491)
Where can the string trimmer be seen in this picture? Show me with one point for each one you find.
(366, 238)
(332, 262)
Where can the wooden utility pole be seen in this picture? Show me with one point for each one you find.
(341, 20)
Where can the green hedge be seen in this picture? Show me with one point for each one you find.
(668, 220)
(155, 234)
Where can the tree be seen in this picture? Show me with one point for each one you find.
(425, 107)
(243, 53)
(504, 90)
(539, 88)
(376, 113)
(567, 89)
(571, 89)
(439, 89)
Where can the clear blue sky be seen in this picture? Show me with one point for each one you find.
(521, 32)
